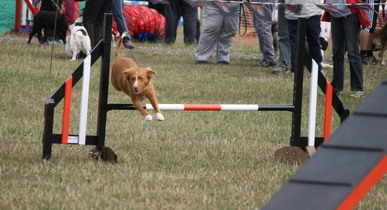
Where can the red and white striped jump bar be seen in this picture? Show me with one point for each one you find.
(208, 107)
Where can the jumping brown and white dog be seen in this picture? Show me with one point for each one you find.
(379, 38)
(135, 81)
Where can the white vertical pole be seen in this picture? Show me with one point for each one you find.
(312, 105)
(84, 100)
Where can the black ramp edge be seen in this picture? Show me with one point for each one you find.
(332, 165)
(292, 196)
(375, 102)
(371, 131)
(342, 163)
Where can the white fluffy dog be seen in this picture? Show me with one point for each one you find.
(78, 40)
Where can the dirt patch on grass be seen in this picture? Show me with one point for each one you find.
(291, 155)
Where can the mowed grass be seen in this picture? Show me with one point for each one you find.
(193, 160)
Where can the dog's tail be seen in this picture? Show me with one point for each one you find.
(118, 47)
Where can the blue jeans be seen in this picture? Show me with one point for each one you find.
(345, 38)
(117, 7)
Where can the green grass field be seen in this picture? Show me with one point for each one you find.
(193, 160)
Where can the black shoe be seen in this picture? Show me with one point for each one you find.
(323, 44)
(281, 70)
(127, 42)
(202, 62)
(266, 64)
(223, 62)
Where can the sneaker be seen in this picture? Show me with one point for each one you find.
(127, 42)
(281, 70)
(223, 62)
(202, 62)
(266, 64)
(357, 94)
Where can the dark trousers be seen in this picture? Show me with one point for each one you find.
(345, 38)
(93, 15)
(190, 17)
(170, 20)
(313, 30)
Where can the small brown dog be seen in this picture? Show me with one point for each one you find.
(379, 38)
(135, 81)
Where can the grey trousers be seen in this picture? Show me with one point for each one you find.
(283, 38)
(220, 26)
(262, 22)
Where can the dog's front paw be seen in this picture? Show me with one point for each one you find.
(148, 117)
(160, 116)
(383, 63)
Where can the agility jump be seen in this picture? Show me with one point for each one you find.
(103, 50)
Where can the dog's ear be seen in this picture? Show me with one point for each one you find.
(150, 73)
(130, 71)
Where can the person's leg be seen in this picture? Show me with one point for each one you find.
(198, 25)
(365, 42)
(189, 14)
(90, 17)
(292, 29)
(263, 22)
(283, 41)
(171, 16)
(212, 21)
(117, 7)
(313, 37)
(338, 51)
(352, 28)
(229, 30)
(117, 10)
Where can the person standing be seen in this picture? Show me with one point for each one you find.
(345, 27)
(221, 23)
